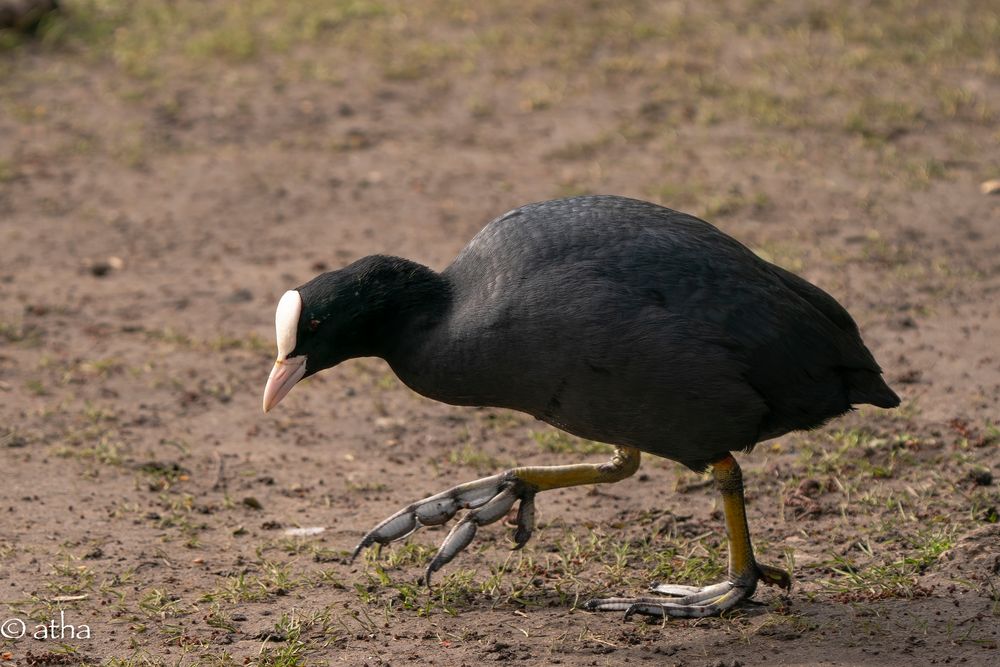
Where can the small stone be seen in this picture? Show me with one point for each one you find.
(810, 488)
(240, 296)
(99, 269)
(981, 476)
(252, 503)
(12, 439)
(991, 187)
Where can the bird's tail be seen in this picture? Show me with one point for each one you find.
(865, 386)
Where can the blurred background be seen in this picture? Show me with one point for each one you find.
(168, 169)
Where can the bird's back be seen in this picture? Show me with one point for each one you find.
(586, 306)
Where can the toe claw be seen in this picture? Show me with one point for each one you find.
(396, 527)
(525, 520)
(357, 551)
(774, 576)
(365, 542)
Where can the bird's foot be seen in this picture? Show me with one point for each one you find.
(489, 500)
(692, 601)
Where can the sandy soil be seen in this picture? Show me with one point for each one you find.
(165, 175)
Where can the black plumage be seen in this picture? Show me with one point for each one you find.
(614, 319)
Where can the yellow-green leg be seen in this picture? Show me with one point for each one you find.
(623, 464)
(743, 567)
(489, 500)
(744, 570)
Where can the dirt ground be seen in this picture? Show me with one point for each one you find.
(167, 170)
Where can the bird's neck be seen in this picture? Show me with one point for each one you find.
(407, 299)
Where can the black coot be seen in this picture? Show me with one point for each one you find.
(613, 319)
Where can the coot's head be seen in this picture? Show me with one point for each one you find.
(318, 325)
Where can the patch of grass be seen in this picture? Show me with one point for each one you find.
(407, 555)
(163, 475)
(559, 442)
(286, 645)
(928, 546)
(293, 545)
(784, 254)
(584, 150)
(452, 591)
(387, 381)
(74, 578)
(105, 452)
(922, 172)
(97, 415)
(572, 188)
(403, 40)
(36, 387)
(732, 202)
(708, 204)
(961, 103)
(238, 588)
(133, 147)
(501, 420)
(169, 335)
(678, 196)
(365, 486)
(275, 579)
(472, 457)
(216, 618)
(251, 343)
(786, 626)
(691, 563)
(8, 172)
(856, 451)
(884, 578)
(235, 38)
(879, 120)
(763, 107)
(157, 603)
(144, 39)
(414, 59)
(934, 34)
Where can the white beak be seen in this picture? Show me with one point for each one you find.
(284, 375)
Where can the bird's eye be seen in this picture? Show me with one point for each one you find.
(313, 325)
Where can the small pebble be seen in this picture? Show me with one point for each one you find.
(100, 269)
(240, 296)
(981, 476)
(252, 503)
